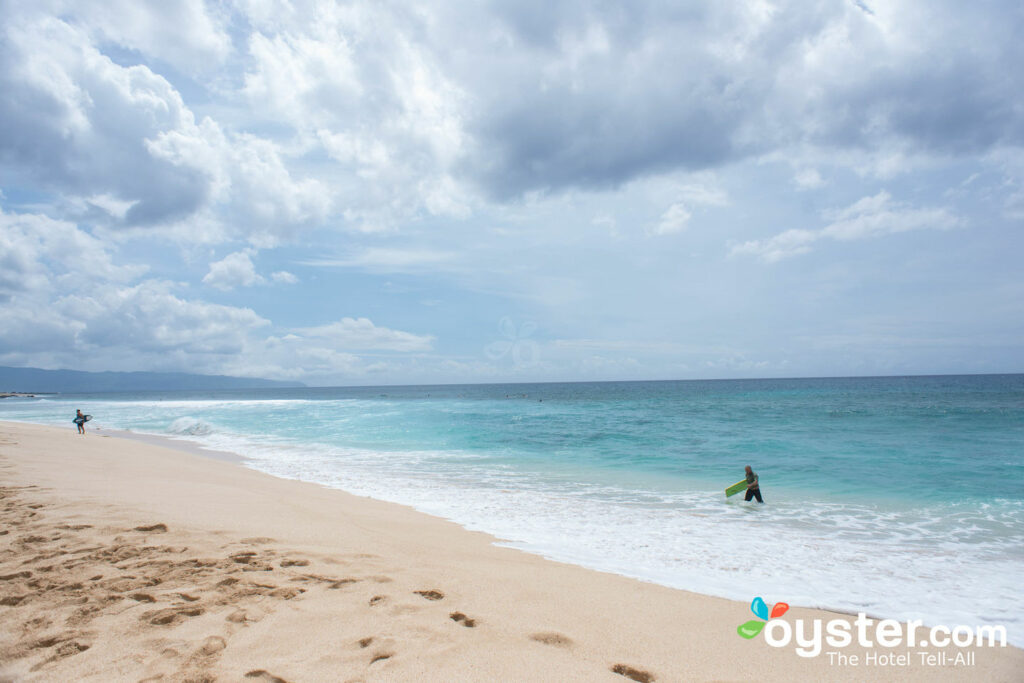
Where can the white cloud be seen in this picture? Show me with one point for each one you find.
(675, 219)
(808, 179)
(701, 194)
(234, 270)
(284, 277)
(181, 33)
(250, 181)
(149, 317)
(869, 217)
(66, 304)
(386, 259)
(40, 253)
(77, 123)
(361, 334)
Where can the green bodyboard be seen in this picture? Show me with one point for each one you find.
(736, 488)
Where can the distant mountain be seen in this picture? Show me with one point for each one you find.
(76, 381)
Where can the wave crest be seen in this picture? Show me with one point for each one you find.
(191, 426)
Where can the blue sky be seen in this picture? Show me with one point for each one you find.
(378, 192)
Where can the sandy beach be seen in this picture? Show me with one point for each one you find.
(129, 561)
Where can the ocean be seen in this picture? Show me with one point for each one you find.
(901, 497)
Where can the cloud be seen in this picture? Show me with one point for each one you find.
(67, 303)
(38, 252)
(386, 259)
(867, 218)
(237, 270)
(284, 277)
(358, 85)
(119, 145)
(180, 33)
(251, 187)
(76, 122)
(674, 220)
(361, 334)
(808, 179)
(366, 116)
(676, 217)
(149, 317)
(234, 270)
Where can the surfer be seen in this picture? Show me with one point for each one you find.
(80, 421)
(753, 490)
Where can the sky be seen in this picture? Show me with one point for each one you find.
(354, 193)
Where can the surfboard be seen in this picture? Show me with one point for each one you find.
(736, 488)
(82, 420)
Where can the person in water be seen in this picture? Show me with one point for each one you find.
(80, 421)
(753, 490)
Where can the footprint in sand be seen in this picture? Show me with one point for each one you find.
(556, 639)
(430, 594)
(381, 656)
(461, 618)
(153, 528)
(264, 676)
(294, 563)
(212, 646)
(632, 674)
(377, 599)
(64, 645)
(171, 615)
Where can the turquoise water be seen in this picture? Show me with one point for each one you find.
(895, 496)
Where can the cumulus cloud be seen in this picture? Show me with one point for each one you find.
(120, 144)
(234, 270)
(38, 252)
(182, 33)
(76, 122)
(867, 218)
(238, 270)
(67, 303)
(150, 317)
(368, 113)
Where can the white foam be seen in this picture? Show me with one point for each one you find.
(944, 564)
(190, 426)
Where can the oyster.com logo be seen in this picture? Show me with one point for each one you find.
(811, 637)
(760, 610)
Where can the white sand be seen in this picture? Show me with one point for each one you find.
(127, 561)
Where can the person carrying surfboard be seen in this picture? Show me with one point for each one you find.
(753, 489)
(80, 421)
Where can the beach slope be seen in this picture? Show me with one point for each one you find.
(128, 561)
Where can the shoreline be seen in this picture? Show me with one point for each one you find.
(333, 554)
(195, 447)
